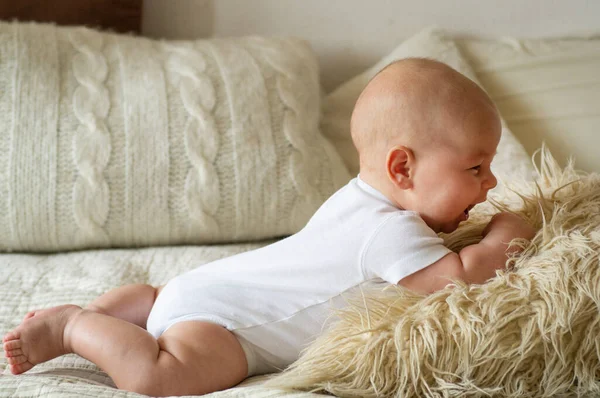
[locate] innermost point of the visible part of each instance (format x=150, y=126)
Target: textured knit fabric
x=278, y=298
x=112, y=140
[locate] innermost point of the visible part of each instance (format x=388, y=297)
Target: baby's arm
x=475, y=263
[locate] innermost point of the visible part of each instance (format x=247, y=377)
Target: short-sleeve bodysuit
x=278, y=298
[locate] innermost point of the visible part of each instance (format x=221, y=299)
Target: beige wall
x=350, y=35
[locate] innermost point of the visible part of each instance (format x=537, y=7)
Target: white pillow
x=113, y=140
x=511, y=160
x=547, y=89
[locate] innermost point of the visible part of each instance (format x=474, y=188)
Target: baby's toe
x=10, y=345
x=10, y=336
x=16, y=360
x=13, y=353
x=20, y=368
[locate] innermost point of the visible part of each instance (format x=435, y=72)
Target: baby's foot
x=31, y=314
x=39, y=338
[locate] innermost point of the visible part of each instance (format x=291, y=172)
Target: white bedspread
x=39, y=281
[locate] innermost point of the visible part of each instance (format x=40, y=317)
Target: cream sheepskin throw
x=532, y=331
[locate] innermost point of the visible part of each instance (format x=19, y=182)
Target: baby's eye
x=476, y=169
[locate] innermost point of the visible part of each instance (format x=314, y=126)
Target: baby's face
x=450, y=180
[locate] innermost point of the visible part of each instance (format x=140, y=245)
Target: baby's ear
x=398, y=166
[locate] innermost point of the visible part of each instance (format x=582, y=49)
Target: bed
x=75, y=246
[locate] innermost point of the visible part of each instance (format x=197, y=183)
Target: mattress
x=39, y=281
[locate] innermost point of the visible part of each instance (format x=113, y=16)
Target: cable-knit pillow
x=114, y=140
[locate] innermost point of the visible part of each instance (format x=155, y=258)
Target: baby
x=426, y=137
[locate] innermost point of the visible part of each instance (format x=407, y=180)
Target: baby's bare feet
x=39, y=338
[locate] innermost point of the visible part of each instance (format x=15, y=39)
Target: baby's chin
x=444, y=226
x=448, y=230
x=449, y=227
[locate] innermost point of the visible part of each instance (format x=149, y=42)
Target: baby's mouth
x=466, y=212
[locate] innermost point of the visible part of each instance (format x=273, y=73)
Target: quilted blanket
x=39, y=281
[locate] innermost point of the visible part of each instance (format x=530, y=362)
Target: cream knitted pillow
x=113, y=140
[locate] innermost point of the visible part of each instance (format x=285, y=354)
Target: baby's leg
x=131, y=303
x=191, y=358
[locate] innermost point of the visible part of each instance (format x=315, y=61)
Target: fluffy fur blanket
x=532, y=331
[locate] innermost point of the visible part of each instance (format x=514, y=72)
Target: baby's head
x=426, y=136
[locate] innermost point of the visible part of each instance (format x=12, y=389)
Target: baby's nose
x=490, y=182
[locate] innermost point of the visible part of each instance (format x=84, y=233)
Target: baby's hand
x=481, y=260
x=508, y=226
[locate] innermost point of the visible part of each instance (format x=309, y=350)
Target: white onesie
x=277, y=299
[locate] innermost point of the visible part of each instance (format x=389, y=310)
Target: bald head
x=413, y=102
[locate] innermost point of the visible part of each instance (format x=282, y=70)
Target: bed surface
x=39, y=281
